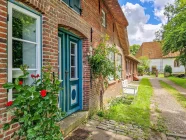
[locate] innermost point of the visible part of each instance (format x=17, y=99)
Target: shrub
x=35, y=107
x=168, y=69
x=140, y=70
x=145, y=62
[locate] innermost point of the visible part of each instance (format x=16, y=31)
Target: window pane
x=73, y=72
x=26, y=81
x=23, y=53
x=73, y=61
x=66, y=1
x=72, y=48
x=24, y=26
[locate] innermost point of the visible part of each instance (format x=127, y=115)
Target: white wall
x=158, y=63
x=170, y=61
x=161, y=63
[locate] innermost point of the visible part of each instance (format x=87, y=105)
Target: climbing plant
x=102, y=67
x=35, y=107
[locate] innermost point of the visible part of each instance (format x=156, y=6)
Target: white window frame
x=119, y=64
x=103, y=18
x=76, y=66
x=112, y=59
x=12, y=6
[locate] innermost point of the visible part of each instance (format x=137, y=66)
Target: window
x=176, y=63
x=75, y=4
x=23, y=43
x=103, y=18
x=126, y=66
x=112, y=59
x=73, y=60
x=119, y=66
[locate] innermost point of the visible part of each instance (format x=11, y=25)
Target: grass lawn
x=179, y=97
x=137, y=112
x=179, y=81
x=161, y=75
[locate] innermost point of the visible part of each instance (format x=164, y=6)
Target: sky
x=145, y=17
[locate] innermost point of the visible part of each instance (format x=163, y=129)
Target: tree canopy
x=173, y=34
x=134, y=49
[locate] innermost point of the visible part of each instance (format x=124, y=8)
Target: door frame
x=61, y=33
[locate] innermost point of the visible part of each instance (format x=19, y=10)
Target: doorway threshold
x=71, y=122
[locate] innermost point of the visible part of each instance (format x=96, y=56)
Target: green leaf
x=37, y=127
x=32, y=89
x=8, y=85
x=6, y=126
x=17, y=81
x=33, y=102
x=31, y=133
x=18, y=87
x=36, y=117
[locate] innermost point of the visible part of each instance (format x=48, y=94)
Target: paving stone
x=176, y=135
x=121, y=133
x=102, y=127
x=113, y=122
x=163, y=136
x=111, y=130
x=171, y=138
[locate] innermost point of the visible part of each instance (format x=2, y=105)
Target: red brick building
x=62, y=33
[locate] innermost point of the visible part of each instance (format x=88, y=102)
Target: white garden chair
x=128, y=88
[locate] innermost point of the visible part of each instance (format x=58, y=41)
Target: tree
x=134, y=49
x=174, y=33
x=158, y=35
x=182, y=2
x=145, y=63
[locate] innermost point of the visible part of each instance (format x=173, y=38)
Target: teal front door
x=70, y=72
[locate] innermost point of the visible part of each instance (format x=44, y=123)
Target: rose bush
x=35, y=108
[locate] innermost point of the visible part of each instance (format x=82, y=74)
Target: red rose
x=32, y=75
x=37, y=75
x=20, y=82
x=43, y=93
x=9, y=103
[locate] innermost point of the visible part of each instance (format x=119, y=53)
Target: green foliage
x=179, y=81
x=179, y=97
x=135, y=111
x=160, y=126
x=173, y=34
x=122, y=100
x=35, y=112
x=140, y=70
x=168, y=69
x=145, y=63
x=134, y=49
x=100, y=63
x=182, y=3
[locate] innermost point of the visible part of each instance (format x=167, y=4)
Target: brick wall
x=3, y=66
x=92, y=14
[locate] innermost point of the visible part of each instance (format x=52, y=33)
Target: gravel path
x=172, y=111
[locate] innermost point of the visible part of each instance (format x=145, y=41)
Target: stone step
x=73, y=121
x=176, y=135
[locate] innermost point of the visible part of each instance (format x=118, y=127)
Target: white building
x=153, y=51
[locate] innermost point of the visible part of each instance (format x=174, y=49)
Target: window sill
x=74, y=79
x=111, y=82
